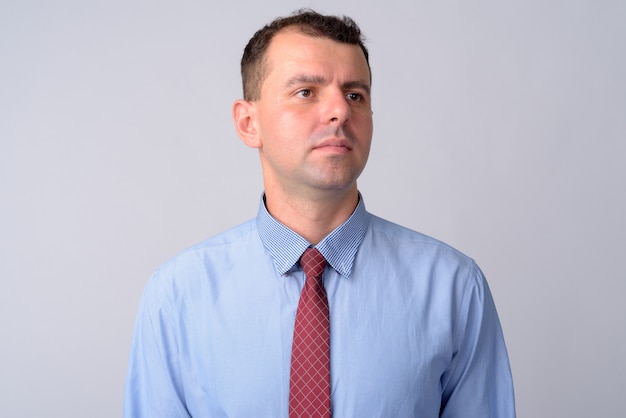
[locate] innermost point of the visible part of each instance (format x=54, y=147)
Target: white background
x=500, y=127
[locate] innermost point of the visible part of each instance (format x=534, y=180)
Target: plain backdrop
x=500, y=128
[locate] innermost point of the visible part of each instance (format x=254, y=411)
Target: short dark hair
x=308, y=22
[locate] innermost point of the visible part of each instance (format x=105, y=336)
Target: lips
x=334, y=143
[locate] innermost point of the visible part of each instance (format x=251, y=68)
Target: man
x=413, y=327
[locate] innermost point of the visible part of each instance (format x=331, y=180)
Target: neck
x=312, y=218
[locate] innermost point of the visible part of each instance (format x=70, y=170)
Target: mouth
x=341, y=145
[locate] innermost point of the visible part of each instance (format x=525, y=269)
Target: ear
x=244, y=114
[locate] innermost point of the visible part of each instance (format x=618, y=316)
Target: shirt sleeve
x=153, y=383
x=478, y=382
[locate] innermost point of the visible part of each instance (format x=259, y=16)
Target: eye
x=305, y=93
x=354, y=97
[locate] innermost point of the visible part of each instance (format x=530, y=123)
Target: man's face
x=314, y=117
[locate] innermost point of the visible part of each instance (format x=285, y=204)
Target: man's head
x=310, y=116
x=309, y=23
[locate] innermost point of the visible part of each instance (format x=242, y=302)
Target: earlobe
x=244, y=114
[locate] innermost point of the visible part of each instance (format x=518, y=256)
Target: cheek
x=283, y=134
x=363, y=124
x=294, y=127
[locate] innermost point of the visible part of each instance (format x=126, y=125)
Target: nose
x=337, y=109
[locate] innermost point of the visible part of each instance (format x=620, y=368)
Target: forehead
x=291, y=50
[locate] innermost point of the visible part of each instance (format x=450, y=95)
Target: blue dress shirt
x=414, y=330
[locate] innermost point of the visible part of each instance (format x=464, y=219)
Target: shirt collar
x=339, y=247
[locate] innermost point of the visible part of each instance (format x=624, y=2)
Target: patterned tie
x=309, y=388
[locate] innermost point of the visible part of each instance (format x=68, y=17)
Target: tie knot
x=313, y=262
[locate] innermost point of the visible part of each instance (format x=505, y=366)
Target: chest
x=389, y=348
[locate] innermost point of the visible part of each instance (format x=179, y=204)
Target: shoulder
x=414, y=254
x=209, y=257
x=231, y=237
x=407, y=240
x=230, y=240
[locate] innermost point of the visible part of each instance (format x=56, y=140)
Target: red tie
x=309, y=387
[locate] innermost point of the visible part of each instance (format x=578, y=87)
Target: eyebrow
x=305, y=79
x=357, y=84
x=319, y=80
